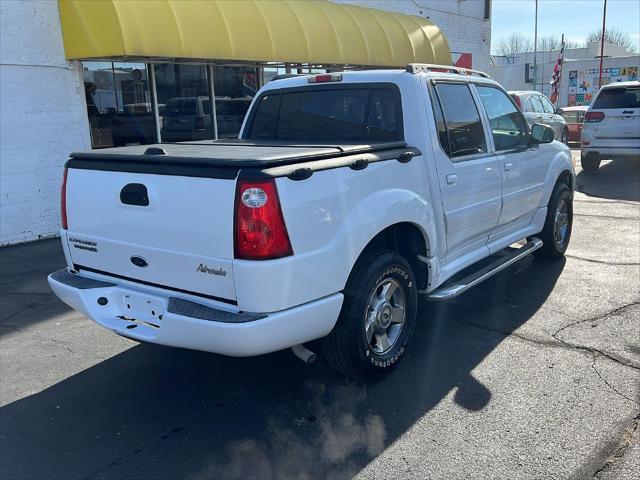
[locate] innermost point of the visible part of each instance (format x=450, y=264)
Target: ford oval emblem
x=139, y=261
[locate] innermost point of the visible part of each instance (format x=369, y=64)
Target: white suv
x=611, y=128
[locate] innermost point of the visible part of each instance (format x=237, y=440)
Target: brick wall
x=42, y=118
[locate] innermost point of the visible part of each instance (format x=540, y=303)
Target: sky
x=574, y=18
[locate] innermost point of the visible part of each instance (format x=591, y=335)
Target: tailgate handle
x=134, y=194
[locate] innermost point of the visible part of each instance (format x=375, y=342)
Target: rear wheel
x=558, y=224
x=590, y=162
x=377, y=319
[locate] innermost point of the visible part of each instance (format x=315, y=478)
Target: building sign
x=464, y=60
x=583, y=84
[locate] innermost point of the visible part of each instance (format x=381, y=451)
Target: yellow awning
x=302, y=31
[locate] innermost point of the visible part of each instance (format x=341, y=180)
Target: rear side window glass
x=547, y=105
x=623, y=97
x=536, y=104
x=441, y=126
x=462, y=120
x=333, y=115
x=508, y=126
x=265, y=119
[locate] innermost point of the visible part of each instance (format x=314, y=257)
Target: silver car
x=539, y=109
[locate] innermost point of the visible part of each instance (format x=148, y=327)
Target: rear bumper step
x=459, y=287
x=160, y=317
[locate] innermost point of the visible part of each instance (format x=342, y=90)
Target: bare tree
x=512, y=45
x=553, y=42
x=614, y=36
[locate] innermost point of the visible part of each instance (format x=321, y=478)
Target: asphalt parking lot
x=533, y=374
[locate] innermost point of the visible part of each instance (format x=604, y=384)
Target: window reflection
x=235, y=88
x=183, y=92
x=118, y=104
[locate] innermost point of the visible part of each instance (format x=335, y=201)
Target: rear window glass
x=344, y=114
x=622, y=97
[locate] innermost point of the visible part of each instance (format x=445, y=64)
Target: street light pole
x=535, y=51
x=604, y=18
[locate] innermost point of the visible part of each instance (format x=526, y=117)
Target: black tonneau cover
x=225, y=158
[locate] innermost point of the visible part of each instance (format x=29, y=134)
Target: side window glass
x=546, y=104
x=537, y=104
x=462, y=120
x=508, y=126
x=439, y=118
x=528, y=105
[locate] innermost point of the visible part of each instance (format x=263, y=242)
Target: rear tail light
x=260, y=231
x=517, y=100
x=63, y=201
x=326, y=77
x=594, y=116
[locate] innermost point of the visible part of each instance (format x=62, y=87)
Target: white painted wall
x=461, y=21
x=42, y=118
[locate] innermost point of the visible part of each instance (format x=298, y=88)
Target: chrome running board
x=450, y=291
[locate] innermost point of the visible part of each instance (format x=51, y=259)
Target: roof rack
x=428, y=67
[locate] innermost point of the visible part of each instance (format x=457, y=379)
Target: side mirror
x=559, y=111
x=541, y=134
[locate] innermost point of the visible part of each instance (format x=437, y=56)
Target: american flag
x=555, y=78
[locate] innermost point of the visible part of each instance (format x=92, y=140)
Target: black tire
x=565, y=137
x=590, y=162
x=346, y=348
x=551, y=248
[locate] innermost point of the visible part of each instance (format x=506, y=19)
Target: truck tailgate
x=171, y=231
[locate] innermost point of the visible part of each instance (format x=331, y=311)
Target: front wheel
x=558, y=224
x=377, y=319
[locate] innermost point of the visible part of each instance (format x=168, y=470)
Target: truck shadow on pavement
x=617, y=180
x=154, y=412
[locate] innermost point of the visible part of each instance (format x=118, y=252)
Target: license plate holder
x=143, y=308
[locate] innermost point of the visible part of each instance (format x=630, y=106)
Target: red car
x=574, y=117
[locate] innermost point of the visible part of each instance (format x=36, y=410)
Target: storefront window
x=184, y=102
x=235, y=87
x=118, y=104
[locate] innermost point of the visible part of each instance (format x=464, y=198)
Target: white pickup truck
x=346, y=197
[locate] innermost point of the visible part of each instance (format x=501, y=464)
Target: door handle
x=508, y=165
x=451, y=179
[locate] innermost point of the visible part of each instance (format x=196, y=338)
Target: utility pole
x=604, y=18
x=535, y=51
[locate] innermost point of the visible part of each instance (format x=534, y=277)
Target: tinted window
x=441, y=126
x=508, y=126
x=344, y=114
x=623, y=97
x=464, y=128
x=265, y=119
